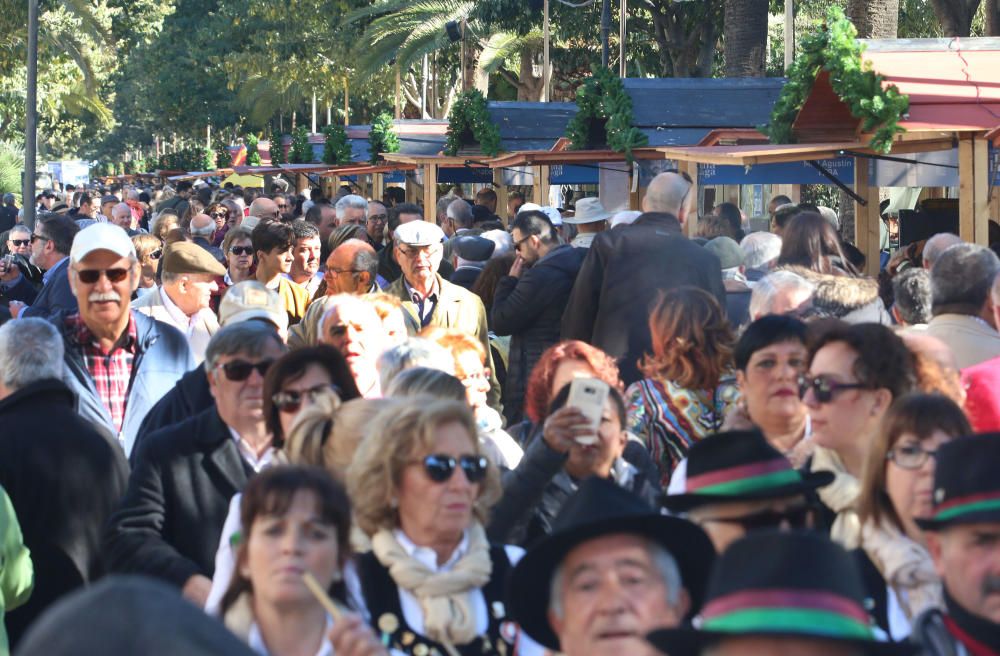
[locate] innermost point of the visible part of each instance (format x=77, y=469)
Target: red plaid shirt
x=112, y=371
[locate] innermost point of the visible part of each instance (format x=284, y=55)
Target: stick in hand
x=321, y=596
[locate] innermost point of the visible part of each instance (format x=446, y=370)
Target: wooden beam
x=866, y=217
x=981, y=198
x=378, y=186
x=430, y=191
x=966, y=191
x=543, y=183
x=536, y=186
x=693, y=198
x=501, y=189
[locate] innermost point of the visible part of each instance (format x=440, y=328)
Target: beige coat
x=971, y=339
x=152, y=306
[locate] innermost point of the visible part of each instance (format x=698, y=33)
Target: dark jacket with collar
x=64, y=480
x=624, y=272
x=187, y=398
x=530, y=309
x=55, y=296
x=162, y=357
x=170, y=519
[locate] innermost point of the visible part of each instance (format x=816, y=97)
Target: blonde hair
x=383, y=303
x=457, y=343
x=398, y=435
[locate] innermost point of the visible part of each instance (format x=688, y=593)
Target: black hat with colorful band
x=784, y=585
x=740, y=466
x=966, y=485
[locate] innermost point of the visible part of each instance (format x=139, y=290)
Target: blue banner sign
x=784, y=173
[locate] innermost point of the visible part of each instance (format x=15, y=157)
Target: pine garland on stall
x=337, y=150
x=602, y=99
x=469, y=115
x=382, y=137
x=301, y=151
x=253, y=155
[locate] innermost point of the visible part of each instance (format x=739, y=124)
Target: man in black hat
x=612, y=571
x=963, y=536
x=470, y=254
x=781, y=594
x=737, y=483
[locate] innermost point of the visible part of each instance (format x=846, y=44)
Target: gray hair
x=767, y=289
x=351, y=201
x=912, y=291
x=759, y=248
x=365, y=260
x=245, y=337
x=460, y=212
x=962, y=278
x=936, y=245
x=31, y=349
x=830, y=216
x=662, y=559
x=19, y=227
x=414, y=352
x=424, y=381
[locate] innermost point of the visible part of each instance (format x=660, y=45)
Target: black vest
x=387, y=620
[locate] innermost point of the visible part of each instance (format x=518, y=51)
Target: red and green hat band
x=973, y=503
x=744, y=479
x=788, y=611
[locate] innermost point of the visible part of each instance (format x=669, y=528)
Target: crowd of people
x=279, y=424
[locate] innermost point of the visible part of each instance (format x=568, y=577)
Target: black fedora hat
x=782, y=584
x=966, y=486
x=740, y=466
x=599, y=508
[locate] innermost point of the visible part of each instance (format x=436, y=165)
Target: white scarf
x=840, y=496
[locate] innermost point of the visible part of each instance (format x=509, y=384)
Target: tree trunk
x=956, y=15
x=687, y=35
x=874, y=19
x=745, y=36
x=992, y=17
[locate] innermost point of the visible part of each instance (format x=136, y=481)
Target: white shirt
x=256, y=641
x=183, y=322
x=583, y=240
x=258, y=464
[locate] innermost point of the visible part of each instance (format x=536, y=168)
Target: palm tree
x=745, y=37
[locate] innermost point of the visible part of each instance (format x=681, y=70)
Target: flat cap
x=188, y=257
x=727, y=250
x=419, y=233
x=250, y=299
x=473, y=248
x=109, y=198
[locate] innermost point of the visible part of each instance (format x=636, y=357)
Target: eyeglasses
x=219, y=215
x=36, y=237
x=517, y=244
x=155, y=255
x=241, y=250
x=378, y=218
x=825, y=389
x=795, y=518
x=291, y=401
x=440, y=467
x=340, y=271
x=413, y=252
x=910, y=456
x=282, y=206
x=90, y=276
x=20, y=242
x=240, y=370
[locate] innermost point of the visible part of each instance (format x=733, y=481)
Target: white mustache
x=99, y=297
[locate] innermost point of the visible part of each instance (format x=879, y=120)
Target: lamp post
x=546, y=35
x=789, y=34
x=30, y=119
x=605, y=32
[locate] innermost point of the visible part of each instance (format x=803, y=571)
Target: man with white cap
x=590, y=219
x=430, y=300
x=119, y=363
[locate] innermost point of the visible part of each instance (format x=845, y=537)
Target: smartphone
x=6, y=263
x=589, y=396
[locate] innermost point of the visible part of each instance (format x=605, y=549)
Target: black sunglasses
x=241, y=250
x=440, y=467
x=825, y=389
x=36, y=237
x=291, y=401
x=90, y=276
x=20, y=242
x=219, y=215
x=240, y=370
x=155, y=255
x=795, y=518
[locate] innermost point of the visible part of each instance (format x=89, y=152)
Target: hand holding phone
x=589, y=396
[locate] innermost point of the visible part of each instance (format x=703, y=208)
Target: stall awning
x=778, y=153
x=554, y=157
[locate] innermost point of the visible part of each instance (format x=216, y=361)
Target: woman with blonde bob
x=421, y=485
x=896, y=489
x=689, y=385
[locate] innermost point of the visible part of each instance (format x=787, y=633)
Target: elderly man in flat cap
x=189, y=279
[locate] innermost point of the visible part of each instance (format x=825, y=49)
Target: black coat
x=55, y=296
x=170, y=520
x=623, y=274
x=188, y=397
x=530, y=309
x=64, y=480
x=465, y=277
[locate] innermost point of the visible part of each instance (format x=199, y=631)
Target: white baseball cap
x=555, y=218
x=101, y=237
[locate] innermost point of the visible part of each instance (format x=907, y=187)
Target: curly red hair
x=538, y=395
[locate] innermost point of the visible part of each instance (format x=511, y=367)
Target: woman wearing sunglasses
x=895, y=491
x=219, y=214
x=238, y=249
x=148, y=249
x=297, y=521
x=432, y=581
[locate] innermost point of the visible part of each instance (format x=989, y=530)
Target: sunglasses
x=291, y=401
x=240, y=370
x=440, y=467
x=795, y=518
x=219, y=215
x=90, y=276
x=20, y=242
x=241, y=250
x=825, y=389
x=155, y=255
x=35, y=238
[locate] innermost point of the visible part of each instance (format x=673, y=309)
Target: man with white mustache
x=119, y=362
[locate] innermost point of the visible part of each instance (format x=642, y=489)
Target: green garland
x=469, y=114
x=337, y=149
x=253, y=155
x=382, y=137
x=301, y=151
x=197, y=158
x=277, y=150
x=835, y=48
x=603, y=96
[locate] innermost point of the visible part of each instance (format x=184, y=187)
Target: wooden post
x=542, y=185
x=536, y=186
x=501, y=189
x=430, y=191
x=378, y=186
x=693, y=199
x=980, y=156
x=866, y=218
